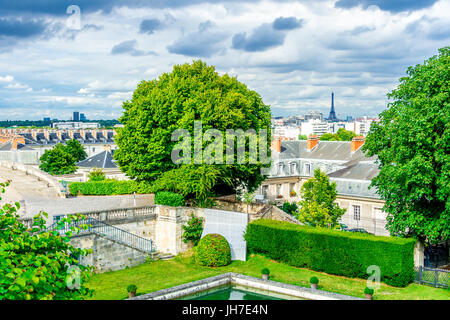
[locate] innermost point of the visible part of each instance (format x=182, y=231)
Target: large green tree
x=76, y=149
x=412, y=142
x=191, y=92
x=58, y=161
x=39, y=264
x=318, y=207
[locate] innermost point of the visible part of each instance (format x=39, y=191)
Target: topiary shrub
x=213, y=250
x=168, y=198
x=368, y=290
x=314, y=280
x=265, y=271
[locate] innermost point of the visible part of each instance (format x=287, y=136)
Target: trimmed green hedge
x=108, y=187
x=168, y=198
x=334, y=252
x=213, y=250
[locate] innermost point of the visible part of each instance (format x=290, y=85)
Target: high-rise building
x=76, y=116
x=332, y=116
x=82, y=117
x=47, y=120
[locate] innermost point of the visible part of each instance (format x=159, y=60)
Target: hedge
x=168, y=198
x=108, y=187
x=334, y=252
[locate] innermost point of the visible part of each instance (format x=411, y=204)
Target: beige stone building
x=294, y=162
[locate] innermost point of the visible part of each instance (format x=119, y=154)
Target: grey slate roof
x=357, y=171
x=8, y=146
x=103, y=160
x=324, y=150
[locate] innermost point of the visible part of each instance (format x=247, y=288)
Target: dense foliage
x=290, y=208
x=192, y=231
x=340, y=135
x=57, y=161
x=35, y=263
x=412, y=142
x=76, y=149
x=191, y=92
x=334, y=252
x=213, y=250
x=168, y=198
x=109, y=187
x=96, y=174
x=318, y=207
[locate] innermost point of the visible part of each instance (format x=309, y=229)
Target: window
x=278, y=189
x=280, y=168
x=264, y=190
x=292, y=167
x=307, y=169
x=357, y=213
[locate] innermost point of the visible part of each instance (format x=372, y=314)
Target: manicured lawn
x=159, y=275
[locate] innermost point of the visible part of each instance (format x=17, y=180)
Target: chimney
x=70, y=134
x=107, y=147
x=47, y=134
x=94, y=133
x=59, y=134
x=34, y=134
x=16, y=140
x=312, y=141
x=276, y=145
x=83, y=134
x=356, y=143
x=105, y=133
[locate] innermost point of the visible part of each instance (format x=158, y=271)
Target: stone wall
x=107, y=255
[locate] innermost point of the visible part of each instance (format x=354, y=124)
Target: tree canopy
x=76, y=149
x=412, y=142
x=58, y=160
x=191, y=92
x=317, y=207
x=340, y=135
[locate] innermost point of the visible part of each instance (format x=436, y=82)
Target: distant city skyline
x=293, y=53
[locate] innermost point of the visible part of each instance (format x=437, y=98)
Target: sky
x=60, y=56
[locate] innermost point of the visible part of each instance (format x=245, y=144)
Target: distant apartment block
x=76, y=125
x=76, y=116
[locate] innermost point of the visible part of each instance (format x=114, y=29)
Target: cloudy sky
x=294, y=53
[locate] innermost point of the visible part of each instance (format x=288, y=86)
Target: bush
x=96, y=174
x=314, y=280
x=108, y=187
x=368, y=290
x=333, y=252
x=168, y=198
x=132, y=288
x=265, y=271
x=193, y=230
x=213, y=250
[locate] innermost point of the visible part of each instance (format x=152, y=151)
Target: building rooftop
x=103, y=160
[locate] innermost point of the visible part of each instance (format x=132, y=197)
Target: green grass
x=159, y=275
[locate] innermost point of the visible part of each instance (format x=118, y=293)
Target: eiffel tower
x=332, y=116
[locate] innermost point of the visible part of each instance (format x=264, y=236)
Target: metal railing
x=110, y=232
x=438, y=278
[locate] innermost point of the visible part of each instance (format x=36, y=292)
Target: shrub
x=314, y=280
x=96, y=174
x=168, y=198
x=193, y=230
x=213, y=250
x=368, y=290
x=333, y=252
x=132, y=288
x=108, y=187
x=265, y=271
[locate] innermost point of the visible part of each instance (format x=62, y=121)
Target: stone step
x=165, y=256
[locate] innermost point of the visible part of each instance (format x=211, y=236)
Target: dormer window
x=280, y=168
x=293, y=168
x=307, y=169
